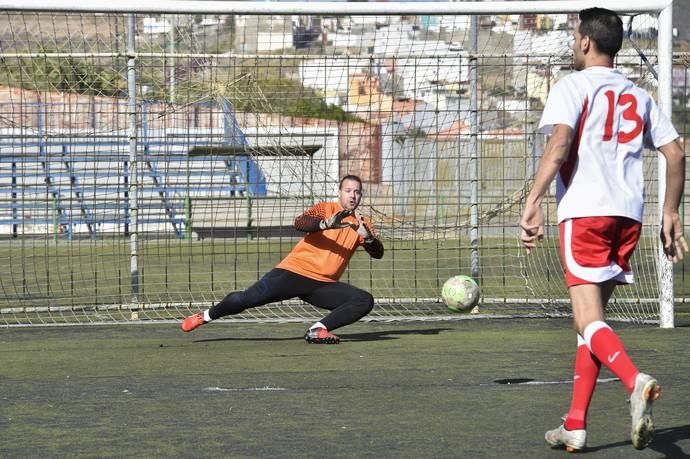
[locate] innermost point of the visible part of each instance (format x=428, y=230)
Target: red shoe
x=320, y=336
x=193, y=321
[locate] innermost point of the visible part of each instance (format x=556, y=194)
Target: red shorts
x=598, y=249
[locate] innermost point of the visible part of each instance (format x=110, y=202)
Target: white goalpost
x=153, y=156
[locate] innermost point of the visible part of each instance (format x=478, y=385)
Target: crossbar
x=320, y=8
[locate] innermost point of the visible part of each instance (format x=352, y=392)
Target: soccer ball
x=460, y=293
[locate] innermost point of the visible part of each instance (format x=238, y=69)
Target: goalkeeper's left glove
x=362, y=228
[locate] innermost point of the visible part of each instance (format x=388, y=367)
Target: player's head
x=350, y=192
x=600, y=32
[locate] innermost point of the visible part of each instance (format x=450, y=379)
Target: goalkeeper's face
x=350, y=194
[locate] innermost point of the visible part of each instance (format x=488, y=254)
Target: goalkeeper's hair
x=604, y=27
x=350, y=177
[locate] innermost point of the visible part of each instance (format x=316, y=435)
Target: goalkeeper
x=311, y=270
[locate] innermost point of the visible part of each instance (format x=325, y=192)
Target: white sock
x=207, y=318
x=317, y=325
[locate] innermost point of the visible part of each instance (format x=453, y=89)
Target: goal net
x=153, y=160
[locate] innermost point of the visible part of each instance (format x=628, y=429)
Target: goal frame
x=664, y=42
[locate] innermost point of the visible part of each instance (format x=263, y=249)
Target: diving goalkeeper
x=311, y=271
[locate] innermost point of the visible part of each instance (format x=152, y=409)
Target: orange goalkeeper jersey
x=324, y=255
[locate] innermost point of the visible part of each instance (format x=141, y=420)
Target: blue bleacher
x=79, y=183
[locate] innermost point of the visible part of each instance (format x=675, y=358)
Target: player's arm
x=671, y=234
x=555, y=154
x=374, y=248
x=314, y=219
x=372, y=244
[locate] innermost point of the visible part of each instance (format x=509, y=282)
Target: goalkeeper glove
x=336, y=221
x=362, y=228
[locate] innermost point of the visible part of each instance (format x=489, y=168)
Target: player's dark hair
x=350, y=177
x=604, y=27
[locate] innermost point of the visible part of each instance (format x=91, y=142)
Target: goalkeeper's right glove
x=336, y=221
x=362, y=228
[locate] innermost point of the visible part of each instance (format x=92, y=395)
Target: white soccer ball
x=460, y=293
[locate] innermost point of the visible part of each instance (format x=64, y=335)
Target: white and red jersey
x=613, y=122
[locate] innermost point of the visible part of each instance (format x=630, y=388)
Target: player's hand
x=336, y=221
x=361, y=227
x=532, y=227
x=672, y=238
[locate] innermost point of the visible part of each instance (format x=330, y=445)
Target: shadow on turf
x=354, y=337
x=391, y=334
x=664, y=442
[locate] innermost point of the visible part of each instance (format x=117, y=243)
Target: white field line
x=538, y=383
x=243, y=389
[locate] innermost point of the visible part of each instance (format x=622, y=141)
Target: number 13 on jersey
x=628, y=101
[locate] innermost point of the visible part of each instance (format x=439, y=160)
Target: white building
x=155, y=26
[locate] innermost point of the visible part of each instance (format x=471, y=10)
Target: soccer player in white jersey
x=599, y=124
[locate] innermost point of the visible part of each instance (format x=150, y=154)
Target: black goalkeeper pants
x=347, y=303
